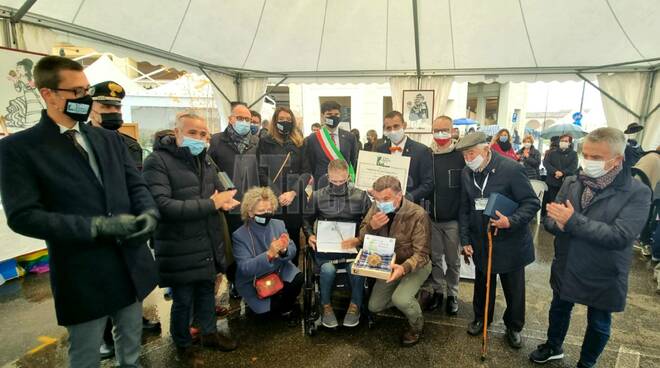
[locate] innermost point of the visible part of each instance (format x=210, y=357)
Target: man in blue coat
x=487, y=172
x=76, y=187
x=595, y=219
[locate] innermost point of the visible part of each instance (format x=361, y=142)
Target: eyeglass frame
x=77, y=91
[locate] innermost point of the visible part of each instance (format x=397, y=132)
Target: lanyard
x=483, y=187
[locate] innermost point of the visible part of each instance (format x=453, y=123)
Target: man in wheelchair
x=338, y=201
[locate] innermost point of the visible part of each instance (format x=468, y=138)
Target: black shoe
x=544, y=353
x=107, y=351
x=436, y=301
x=475, y=328
x=452, y=305
x=424, y=299
x=514, y=338
x=151, y=326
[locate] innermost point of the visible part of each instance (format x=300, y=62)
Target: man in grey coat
x=595, y=218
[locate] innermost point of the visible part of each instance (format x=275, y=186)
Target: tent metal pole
x=416, y=29
x=16, y=17
x=619, y=64
x=265, y=93
x=214, y=84
x=647, y=104
x=584, y=86
x=619, y=103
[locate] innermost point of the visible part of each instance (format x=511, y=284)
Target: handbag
x=266, y=285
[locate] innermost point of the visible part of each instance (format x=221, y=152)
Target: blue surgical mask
x=195, y=146
x=386, y=207
x=504, y=138
x=242, y=127
x=254, y=129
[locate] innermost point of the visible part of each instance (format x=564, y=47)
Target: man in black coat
x=235, y=152
x=487, y=172
x=559, y=164
x=319, y=148
x=188, y=243
x=76, y=187
x=595, y=219
x=420, y=173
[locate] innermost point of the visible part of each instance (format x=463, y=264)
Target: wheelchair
x=312, y=308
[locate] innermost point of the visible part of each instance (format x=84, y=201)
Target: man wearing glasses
x=76, y=187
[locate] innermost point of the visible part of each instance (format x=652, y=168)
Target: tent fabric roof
x=376, y=35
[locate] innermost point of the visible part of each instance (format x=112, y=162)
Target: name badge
x=480, y=204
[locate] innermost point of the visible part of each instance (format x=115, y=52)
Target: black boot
x=452, y=305
x=514, y=338
x=475, y=328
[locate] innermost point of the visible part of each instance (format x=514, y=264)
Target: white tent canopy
x=288, y=36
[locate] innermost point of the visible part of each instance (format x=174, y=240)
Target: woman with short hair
x=530, y=157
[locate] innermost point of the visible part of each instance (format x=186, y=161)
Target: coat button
x=109, y=214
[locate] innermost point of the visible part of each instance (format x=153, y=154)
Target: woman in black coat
x=282, y=168
x=559, y=164
x=530, y=157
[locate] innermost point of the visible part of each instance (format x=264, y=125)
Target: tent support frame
x=215, y=85
x=266, y=93
x=416, y=29
x=602, y=91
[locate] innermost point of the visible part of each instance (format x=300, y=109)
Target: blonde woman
x=530, y=157
x=262, y=246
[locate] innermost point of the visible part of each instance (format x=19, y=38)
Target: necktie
x=71, y=134
x=395, y=149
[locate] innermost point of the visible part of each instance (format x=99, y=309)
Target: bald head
x=240, y=112
x=191, y=125
x=443, y=123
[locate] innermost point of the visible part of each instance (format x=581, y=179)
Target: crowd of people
x=73, y=181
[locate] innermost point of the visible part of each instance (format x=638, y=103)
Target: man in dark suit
x=420, y=174
x=328, y=144
x=76, y=187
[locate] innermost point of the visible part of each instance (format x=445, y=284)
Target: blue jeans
x=198, y=297
x=85, y=338
x=328, y=272
x=595, y=338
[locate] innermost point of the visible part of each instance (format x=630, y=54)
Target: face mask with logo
x=284, y=127
x=195, y=146
x=78, y=109
x=527, y=145
x=564, y=145
x=475, y=163
x=594, y=168
x=111, y=120
x=242, y=127
x=396, y=136
x=386, y=207
x=332, y=121
x=263, y=219
x=441, y=138
x=254, y=129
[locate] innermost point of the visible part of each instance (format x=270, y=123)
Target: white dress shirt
x=401, y=144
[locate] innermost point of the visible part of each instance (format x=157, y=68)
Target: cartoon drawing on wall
x=418, y=110
x=24, y=110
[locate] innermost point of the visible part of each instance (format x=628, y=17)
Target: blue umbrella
x=561, y=129
x=490, y=130
x=465, y=121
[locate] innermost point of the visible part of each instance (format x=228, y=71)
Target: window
x=483, y=102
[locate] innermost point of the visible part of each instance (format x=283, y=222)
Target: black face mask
x=338, y=190
x=284, y=127
x=332, y=121
x=78, y=109
x=111, y=120
x=263, y=219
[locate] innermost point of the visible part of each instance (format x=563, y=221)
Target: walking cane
x=484, y=345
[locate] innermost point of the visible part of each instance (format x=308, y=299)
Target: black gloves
x=119, y=226
x=146, y=223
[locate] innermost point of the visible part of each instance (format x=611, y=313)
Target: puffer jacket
x=188, y=241
x=325, y=204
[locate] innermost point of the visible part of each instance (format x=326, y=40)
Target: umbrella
x=560, y=129
x=490, y=130
x=465, y=121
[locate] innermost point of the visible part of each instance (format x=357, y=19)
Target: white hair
x=614, y=138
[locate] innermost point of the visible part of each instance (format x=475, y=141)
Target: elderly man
x=487, y=172
x=420, y=173
x=75, y=187
x=235, y=152
x=445, y=202
x=595, y=218
x=394, y=216
x=189, y=243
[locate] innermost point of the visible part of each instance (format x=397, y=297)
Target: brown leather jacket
x=411, y=228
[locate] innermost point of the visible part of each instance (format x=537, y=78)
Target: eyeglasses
x=243, y=119
x=77, y=91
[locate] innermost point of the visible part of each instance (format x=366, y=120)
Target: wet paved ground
x=30, y=337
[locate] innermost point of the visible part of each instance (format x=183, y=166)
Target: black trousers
x=549, y=197
x=513, y=284
x=286, y=299
x=293, y=224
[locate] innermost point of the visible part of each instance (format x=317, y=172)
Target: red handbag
x=269, y=284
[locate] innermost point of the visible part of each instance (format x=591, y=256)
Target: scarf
x=593, y=186
x=241, y=142
x=505, y=146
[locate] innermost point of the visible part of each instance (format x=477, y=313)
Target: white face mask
x=441, y=135
x=475, y=163
x=593, y=168
x=395, y=136
x=527, y=145
x=564, y=145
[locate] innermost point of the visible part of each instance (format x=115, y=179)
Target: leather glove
x=119, y=226
x=146, y=225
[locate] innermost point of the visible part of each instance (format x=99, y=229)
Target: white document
x=373, y=165
x=330, y=234
x=379, y=244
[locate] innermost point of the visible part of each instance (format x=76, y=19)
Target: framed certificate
x=373, y=165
